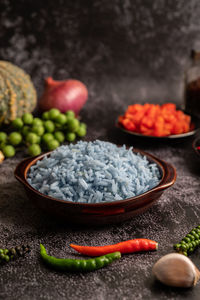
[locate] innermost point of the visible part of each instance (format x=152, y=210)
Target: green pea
x=39, y=130
x=13, y=251
x=15, y=138
x=70, y=136
x=58, y=126
x=185, y=253
x=34, y=150
x=8, y=151
x=186, y=239
x=196, y=236
x=17, y=123
x=45, y=115
x=27, y=118
x=3, y=136
x=187, y=246
x=190, y=244
x=37, y=122
x=81, y=131
x=61, y=119
x=183, y=247
x=190, y=236
x=47, y=137
x=53, y=113
x=193, y=232
x=59, y=136
x=49, y=126
x=32, y=138
x=182, y=242
x=194, y=244
x=83, y=125
x=1, y=251
x=52, y=145
x=2, y=144
x=73, y=125
x=7, y=258
x=70, y=113
x=190, y=250
x=25, y=130
x=39, y=139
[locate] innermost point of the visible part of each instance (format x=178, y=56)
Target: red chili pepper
x=129, y=246
x=198, y=148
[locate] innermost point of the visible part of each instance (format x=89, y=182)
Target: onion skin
x=64, y=95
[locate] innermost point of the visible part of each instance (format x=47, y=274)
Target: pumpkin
x=17, y=92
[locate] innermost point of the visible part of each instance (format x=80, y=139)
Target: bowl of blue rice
x=95, y=183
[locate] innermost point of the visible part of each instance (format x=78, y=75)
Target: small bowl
x=98, y=213
x=194, y=121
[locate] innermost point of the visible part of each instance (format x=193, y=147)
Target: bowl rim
x=172, y=136
x=166, y=180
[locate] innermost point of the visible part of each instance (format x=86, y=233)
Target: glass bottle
x=192, y=85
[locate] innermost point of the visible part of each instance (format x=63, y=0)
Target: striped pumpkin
x=17, y=93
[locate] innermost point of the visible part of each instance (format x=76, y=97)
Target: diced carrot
x=135, y=108
x=120, y=119
x=147, y=121
x=169, y=107
x=129, y=125
x=156, y=120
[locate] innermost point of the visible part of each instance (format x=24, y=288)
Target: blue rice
x=93, y=172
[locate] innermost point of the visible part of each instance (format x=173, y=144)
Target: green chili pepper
x=78, y=265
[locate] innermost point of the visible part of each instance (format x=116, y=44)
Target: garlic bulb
x=176, y=270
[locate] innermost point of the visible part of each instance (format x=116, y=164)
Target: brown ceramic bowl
x=98, y=213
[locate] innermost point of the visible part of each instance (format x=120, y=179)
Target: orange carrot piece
x=155, y=119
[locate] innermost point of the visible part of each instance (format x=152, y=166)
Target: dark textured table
x=125, y=52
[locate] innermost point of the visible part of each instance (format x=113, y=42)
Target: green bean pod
x=78, y=265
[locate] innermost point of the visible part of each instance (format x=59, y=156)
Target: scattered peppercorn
x=188, y=244
x=7, y=255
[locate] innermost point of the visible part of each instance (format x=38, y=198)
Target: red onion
x=65, y=95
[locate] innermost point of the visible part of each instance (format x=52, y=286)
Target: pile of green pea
x=46, y=133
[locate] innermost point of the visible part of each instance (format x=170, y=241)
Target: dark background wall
x=125, y=51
